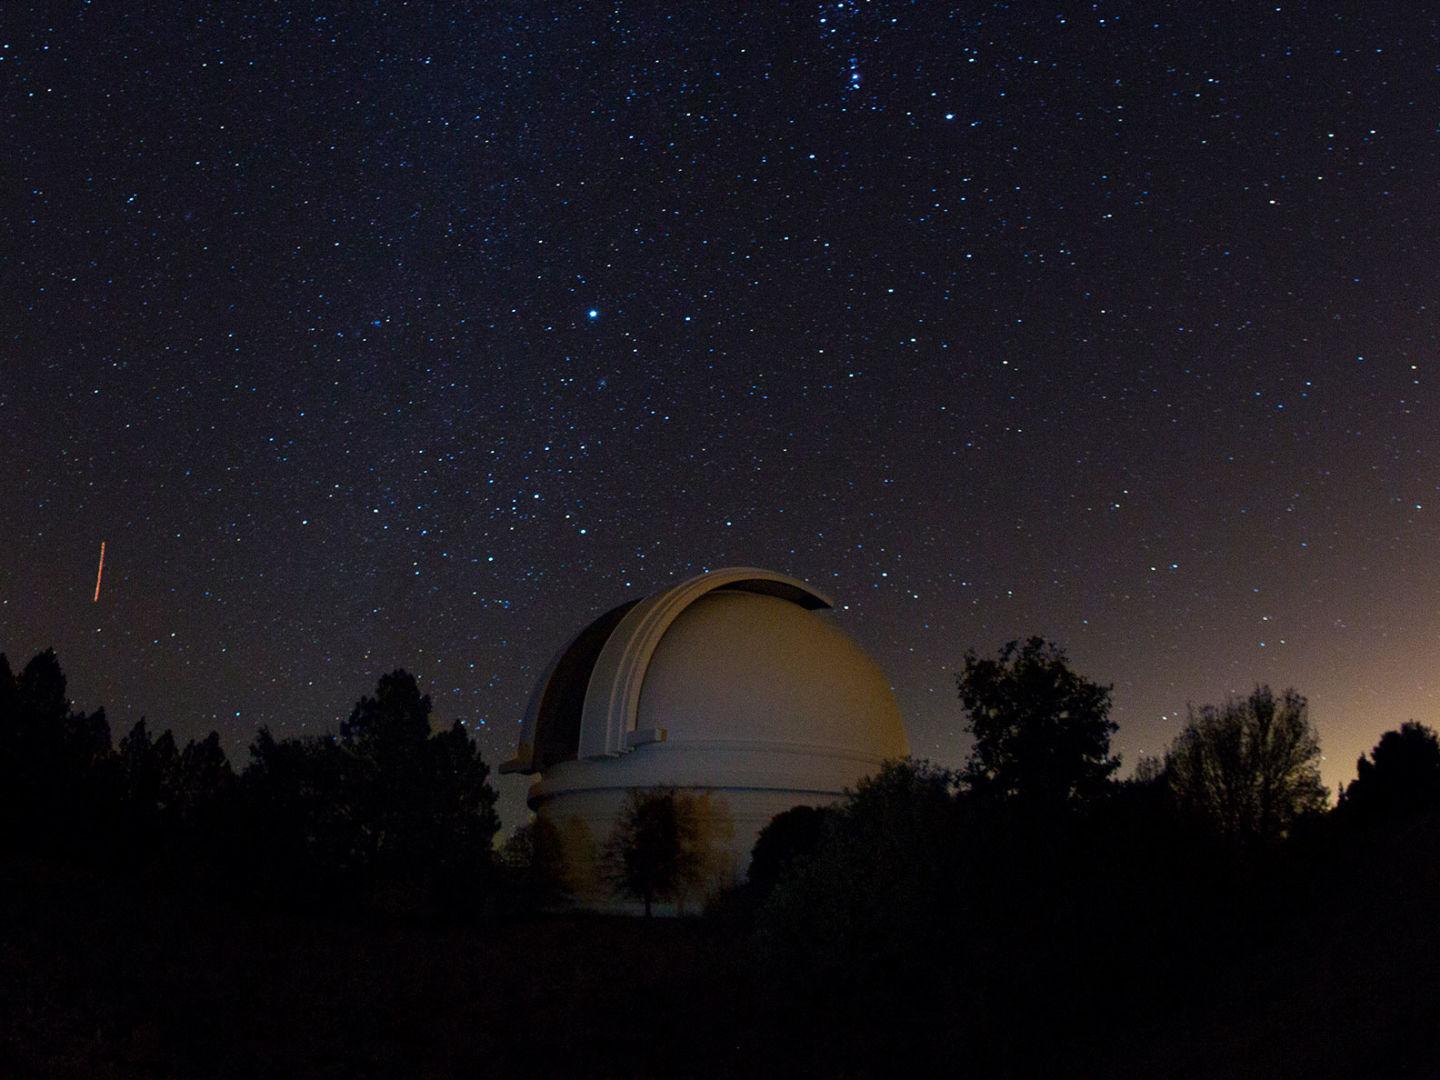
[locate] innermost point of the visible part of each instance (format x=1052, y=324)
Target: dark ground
x=104, y=979
x=1350, y=989
x=100, y=980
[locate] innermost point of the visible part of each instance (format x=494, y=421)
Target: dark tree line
x=387, y=812
x=1027, y=913
x=1399, y=780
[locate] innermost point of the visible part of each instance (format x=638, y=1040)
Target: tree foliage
x=655, y=852
x=876, y=911
x=386, y=804
x=783, y=845
x=1250, y=768
x=1042, y=732
x=420, y=800
x=301, y=840
x=1400, y=778
x=533, y=856
x=49, y=757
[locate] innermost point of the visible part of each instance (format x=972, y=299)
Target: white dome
x=729, y=684
x=737, y=667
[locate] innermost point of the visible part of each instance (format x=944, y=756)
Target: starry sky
x=391, y=334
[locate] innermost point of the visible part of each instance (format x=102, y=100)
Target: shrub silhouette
x=1400, y=779
x=1248, y=769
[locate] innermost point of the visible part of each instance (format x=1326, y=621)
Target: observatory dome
x=732, y=684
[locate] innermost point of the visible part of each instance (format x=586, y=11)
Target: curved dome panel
x=746, y=670
x=551, y=730
x=613, y=699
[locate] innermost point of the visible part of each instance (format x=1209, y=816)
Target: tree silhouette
x=789, y=839
x=203, y=779
x=49, y=757
x=459, y=819
x=393, y=722
x=421, y=801
x=385, y=806
x=654, y=851
x=40, y=691
x=870, y=923
x=1400, y=779
x=385, y=759
x=298, y=822
x=1248, y=769
x=1042, y=732
x=147, y=770
x=7, y=689
x=533, y=858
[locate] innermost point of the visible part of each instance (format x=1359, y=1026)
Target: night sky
x=417, y=335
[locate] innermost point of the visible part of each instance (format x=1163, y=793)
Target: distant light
x=593, y=313
x=949, y=116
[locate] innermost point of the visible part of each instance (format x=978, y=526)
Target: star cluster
x=387, y=336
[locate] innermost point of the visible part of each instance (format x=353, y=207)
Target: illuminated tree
x=1248, y=769
x=656, y=849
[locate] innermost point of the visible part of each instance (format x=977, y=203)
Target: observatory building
x=733, y=686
